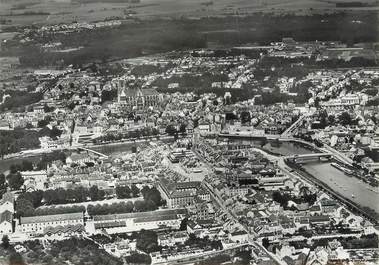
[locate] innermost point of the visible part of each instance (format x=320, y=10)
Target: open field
x=146, y=37
x=24, y=12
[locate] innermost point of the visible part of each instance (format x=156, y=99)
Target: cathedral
x=137, y=97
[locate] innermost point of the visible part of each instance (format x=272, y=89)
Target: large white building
x=182, y=194
x=129, y=222
x=38, y=224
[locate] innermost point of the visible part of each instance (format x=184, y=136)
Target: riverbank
x=106, y=148
x=366, y=211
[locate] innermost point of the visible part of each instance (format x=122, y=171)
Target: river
x=345, y=185
x=364, y=194
x=334, y=178
x=108, y=149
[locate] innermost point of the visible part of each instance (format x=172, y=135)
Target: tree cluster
x=15, y=180
x=47, y=159
x=53, y=133
x=147, y=241
x=145, y=132
x=283, y=198
x=203, y=243
x=25, y=165
x=14, y=141
x=19, y=99
x=121, y=207
x=77, y=251
x=138, y=258
x=108, y=95
x=27, y=202
x=152, y=196
x=3, y=184
x=125, y=192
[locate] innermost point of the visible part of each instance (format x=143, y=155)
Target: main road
x=232, y=216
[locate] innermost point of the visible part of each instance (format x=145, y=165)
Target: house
x=204, y=127
x=7, y=203
x=203, y=227
x=202, y=209
x=171, y=239
x=6, y=222
x=239, y=236
x=35, y=180
x=314, y=220
x=76, y=158
x=38, y=224
x=328, y=206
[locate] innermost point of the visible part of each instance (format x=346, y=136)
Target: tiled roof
x=136, y=92
x=156, y=218
x=6, y=216
x=51, y=218
x=64, y=229
x=7, y=197
x=111, y=224
x=139, y=215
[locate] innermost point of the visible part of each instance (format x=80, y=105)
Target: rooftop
x=51, y=218
x=140, y=215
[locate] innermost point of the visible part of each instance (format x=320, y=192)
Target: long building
x=35, y=225
x=128, y=222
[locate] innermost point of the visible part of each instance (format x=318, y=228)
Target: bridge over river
x=309, y=157
x=349, y=189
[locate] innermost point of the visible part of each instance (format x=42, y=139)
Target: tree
x=183, y=224
x=35, y=197
x=265, y=243
x=24, y=208
x=182, y=128
x=16, y=259
x=171, y=130
x=95, y=194
x=47, y=109
x=3, y=184
x=140, y=206
x=123, y=192
x=55, y=133
x=26, y=165
x=135, y=190
x=345, y=118
x=5, y=242
x=245, y=117
x=331, y=119
x=137, y=258
x=15, y=181
x=147, y=241
x=152, y=195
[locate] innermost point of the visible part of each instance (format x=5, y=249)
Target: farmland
x=25, y=12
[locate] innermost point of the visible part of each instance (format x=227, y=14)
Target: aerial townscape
x=189, y=132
